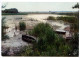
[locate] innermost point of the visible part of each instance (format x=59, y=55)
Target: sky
x=41, y=6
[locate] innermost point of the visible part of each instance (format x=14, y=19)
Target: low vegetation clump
x=67, y=19
x=51, y=18
x=22, y=26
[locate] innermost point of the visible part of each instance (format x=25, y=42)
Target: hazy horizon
x=41, y=6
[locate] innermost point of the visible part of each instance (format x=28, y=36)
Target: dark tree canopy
x=12, y=10
x=76, y=6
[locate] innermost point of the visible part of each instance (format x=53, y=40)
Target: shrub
x=51, y=18
x=40, y=29
x=22, y=26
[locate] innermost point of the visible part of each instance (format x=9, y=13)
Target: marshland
x=40, y=34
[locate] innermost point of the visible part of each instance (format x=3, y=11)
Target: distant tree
x=76, y=24
x=22, y=26
x=76, y=6
x=4, y=5
x=12, y=10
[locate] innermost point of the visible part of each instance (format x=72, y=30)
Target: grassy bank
x=14, y=13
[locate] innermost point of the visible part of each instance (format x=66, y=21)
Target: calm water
x=12, y=20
